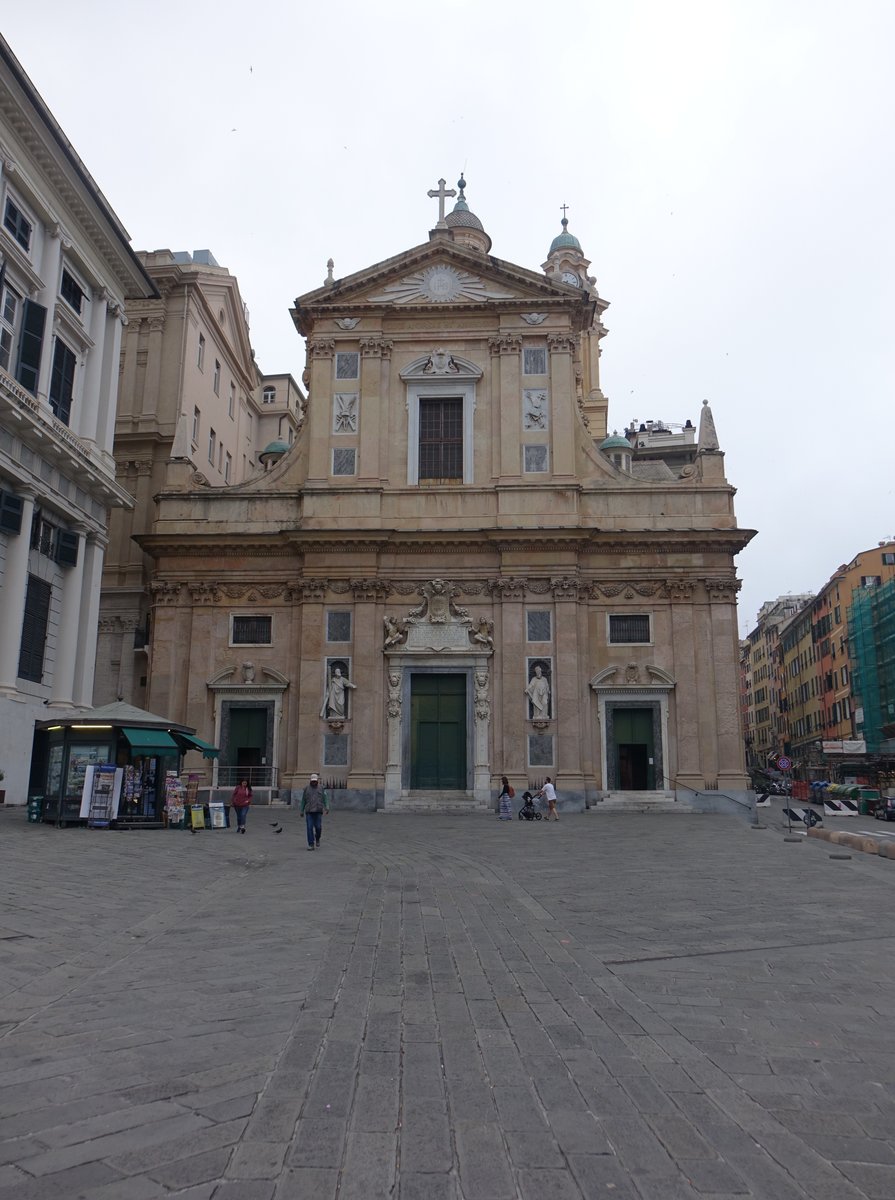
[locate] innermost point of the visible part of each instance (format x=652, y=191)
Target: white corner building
x=66, y=271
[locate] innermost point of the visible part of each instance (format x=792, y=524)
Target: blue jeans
x=242, y=811
x=315, y=826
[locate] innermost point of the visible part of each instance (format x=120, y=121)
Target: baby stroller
x=529, y=810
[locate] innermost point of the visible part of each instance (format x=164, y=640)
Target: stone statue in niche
x=345, y=415
x=440, y=363
x=482, y=633
x=395, y=632
x=538, y=692
x=534, y=414
x=335, y=701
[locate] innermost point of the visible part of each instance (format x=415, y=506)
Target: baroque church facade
x=456, y=572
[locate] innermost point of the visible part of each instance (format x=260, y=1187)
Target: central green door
x=438, y=732
x=633, y=729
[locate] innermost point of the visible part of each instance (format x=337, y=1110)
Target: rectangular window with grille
x=539, y=625
x=347, y=364
x=534, y=360
x=344, y=461
x=629, y=629
x=251, y=631
x=535, y=459
x=338, y=626
x=34, y=629
x=441, y=439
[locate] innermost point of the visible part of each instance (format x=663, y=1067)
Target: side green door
x=438, y=732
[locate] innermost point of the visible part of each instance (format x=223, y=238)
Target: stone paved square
x=445, y=1008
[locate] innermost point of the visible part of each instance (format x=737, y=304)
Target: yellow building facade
x=456, y=572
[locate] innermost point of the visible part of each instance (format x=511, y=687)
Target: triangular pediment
x=436, y=274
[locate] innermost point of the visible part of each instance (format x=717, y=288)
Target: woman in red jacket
x=241, y=799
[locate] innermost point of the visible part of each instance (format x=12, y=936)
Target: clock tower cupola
x=565, y=259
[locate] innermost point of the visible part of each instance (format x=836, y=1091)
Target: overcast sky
x=728, y=167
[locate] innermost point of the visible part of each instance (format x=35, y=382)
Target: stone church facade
x=454, y=573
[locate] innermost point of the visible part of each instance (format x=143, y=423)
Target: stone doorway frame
x=400, y=665
x=633, y=686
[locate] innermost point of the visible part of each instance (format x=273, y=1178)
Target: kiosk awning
x=151, y=741
x=208, y=751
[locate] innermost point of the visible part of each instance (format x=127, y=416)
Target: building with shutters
x=458, y=570
x=66, y=271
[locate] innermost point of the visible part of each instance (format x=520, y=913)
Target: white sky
x=728, y=166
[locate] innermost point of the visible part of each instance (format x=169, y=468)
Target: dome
x=615, y=442
x=460, y=216
x=272, y=451
x=565, y=240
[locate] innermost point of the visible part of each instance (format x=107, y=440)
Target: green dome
x=565, y=240
x=274, y=448
x=616, y=442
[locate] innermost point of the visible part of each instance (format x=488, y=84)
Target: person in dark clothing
x=314, y=803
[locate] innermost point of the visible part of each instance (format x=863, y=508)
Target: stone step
x=436, y=802
x=640, y=802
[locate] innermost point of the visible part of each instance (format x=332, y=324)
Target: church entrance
x=634, y=744
x=438, y=732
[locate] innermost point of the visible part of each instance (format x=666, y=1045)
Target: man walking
x=314, y=803
x=548, y=792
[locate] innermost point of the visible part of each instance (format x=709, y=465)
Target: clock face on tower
x=571, y=278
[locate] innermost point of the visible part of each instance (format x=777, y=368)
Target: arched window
x=269, y=395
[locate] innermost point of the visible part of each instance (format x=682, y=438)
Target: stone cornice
x=294, y=543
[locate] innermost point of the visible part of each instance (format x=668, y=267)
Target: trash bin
x=35, y=809
x=863, y=808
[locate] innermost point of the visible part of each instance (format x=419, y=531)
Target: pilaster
x=88, y=418
x=71, y=630
x=85, y=661
x=506, y=354
x=51, y=271
x=13, y=586
x=562, y=403
x=320, y=398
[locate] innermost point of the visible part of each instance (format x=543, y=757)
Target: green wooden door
x=635, y=750
x=438, y=732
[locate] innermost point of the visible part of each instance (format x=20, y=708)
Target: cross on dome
x=440, y=194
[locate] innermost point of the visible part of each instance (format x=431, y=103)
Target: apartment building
x=66, y=273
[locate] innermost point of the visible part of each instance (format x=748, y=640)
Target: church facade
x=455, y=572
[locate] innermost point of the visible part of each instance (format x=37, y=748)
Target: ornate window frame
x=423, y=381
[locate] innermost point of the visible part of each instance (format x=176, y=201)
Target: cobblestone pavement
x=438, y=1008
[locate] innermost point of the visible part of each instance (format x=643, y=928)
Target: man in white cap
x=314, y=803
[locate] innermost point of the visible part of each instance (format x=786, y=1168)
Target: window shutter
x=11, y=507
x=34, y=318
x=34, y=629
x=62, y=381
x=66, y=548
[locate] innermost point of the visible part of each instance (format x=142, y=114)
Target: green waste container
x=35, y=808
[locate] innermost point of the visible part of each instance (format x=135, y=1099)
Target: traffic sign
x=783, y=763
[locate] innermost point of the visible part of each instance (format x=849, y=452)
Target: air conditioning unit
x=11, y=507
